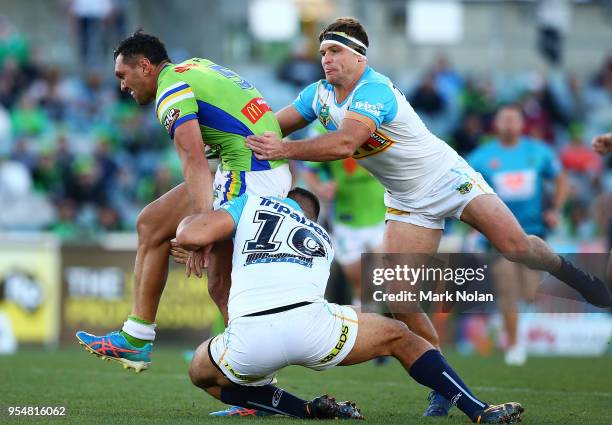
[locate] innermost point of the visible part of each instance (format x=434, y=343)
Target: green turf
x=554, y=391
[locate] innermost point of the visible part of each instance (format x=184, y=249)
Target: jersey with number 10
x=280, y=257
x=227, y=107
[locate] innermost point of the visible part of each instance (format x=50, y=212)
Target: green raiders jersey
x=359, y=199
x=227, y=107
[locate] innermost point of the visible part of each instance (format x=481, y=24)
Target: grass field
x=553, y=391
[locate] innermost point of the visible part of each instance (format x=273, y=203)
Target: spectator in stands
x=426, y=99
x=541, y=110
x=23, y=153
x=13, y=45
x=28, y=118
x=300, y=69
x=467, y=137
x=90, y=19
x=448, y=81
x=478, y=96
x=108, y=219
x=65, y=226
x=85, y=185
x=22, y=209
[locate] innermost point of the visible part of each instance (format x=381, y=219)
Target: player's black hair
x=300, y=196
x=141, y=43
x=348, y=25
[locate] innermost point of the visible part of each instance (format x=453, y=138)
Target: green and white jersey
x=227, y=107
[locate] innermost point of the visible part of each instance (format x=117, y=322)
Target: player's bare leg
x=205, y=374
x=156, y=226
x=266, y=398
x=381, y=336
x=411, y=239
x=490, y=216
x=408, y=238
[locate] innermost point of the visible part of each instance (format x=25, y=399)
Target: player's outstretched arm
x=326, y=147
x=290, y=120
x=190, y=147
x=200, y=230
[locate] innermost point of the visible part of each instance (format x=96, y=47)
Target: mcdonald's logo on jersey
x=255, y=109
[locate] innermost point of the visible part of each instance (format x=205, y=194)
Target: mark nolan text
x=433, y=296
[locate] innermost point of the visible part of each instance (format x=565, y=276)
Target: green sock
x=136, y=342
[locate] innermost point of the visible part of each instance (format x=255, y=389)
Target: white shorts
x=351, y=242
x=231, y=184
x=252, y=349
x=448, y=197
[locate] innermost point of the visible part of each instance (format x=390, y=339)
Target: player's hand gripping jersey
x=280, y=256
x=227, y=107
x=401, y=152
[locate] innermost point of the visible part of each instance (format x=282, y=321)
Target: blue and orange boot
x=114, y=346
x=238, y=411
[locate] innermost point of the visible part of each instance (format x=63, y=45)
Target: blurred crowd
x=79, y=158
x=561, y=110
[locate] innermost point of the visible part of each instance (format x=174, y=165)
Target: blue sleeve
x=551, y=167
x=304, y=102
x=376, y=101
x=235, y=207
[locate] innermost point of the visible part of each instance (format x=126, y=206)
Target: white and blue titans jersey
x=280, y=257
x=402, y=153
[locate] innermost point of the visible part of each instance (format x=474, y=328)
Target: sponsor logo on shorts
x=171, y=116
x=464, y=188
x=375, y=144
x=255, y=109
x=277, y=396
x=241, y=376
x=395, y=211
x=336, y=350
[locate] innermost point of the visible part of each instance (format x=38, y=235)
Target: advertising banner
x=98, y=286
x=30, y=287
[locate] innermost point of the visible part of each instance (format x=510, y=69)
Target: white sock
x=139, y=330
